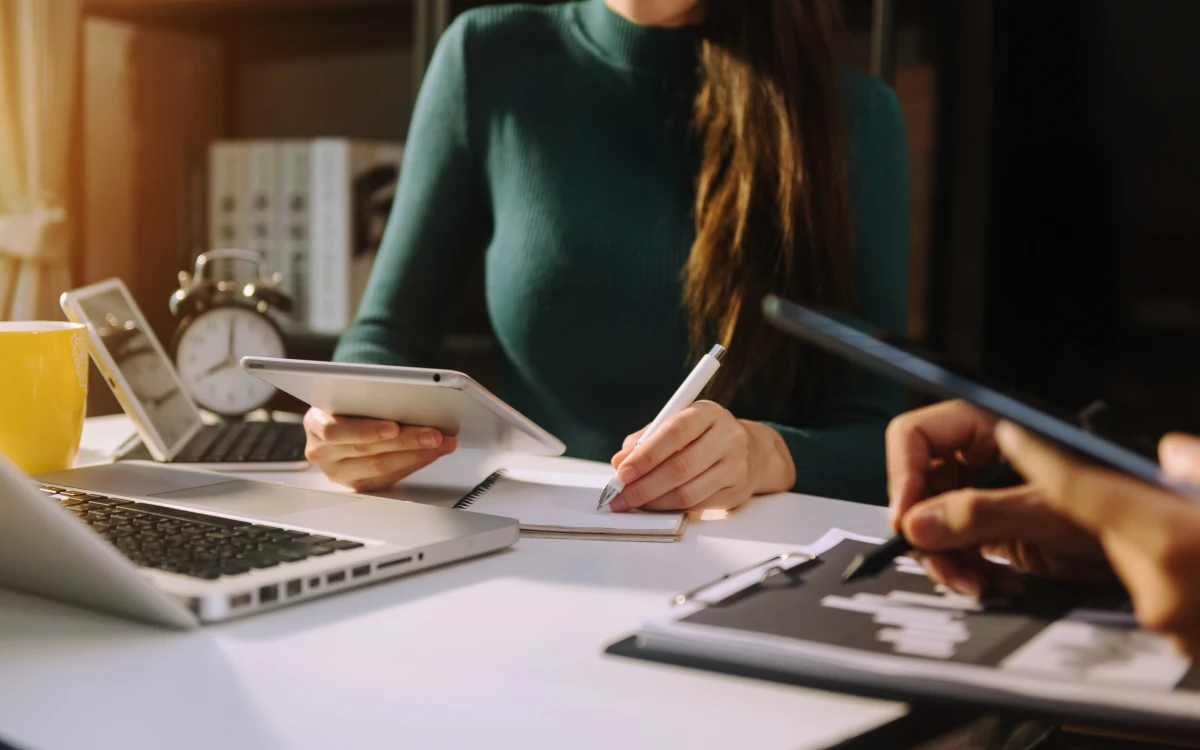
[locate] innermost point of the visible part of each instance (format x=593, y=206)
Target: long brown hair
x=772, y=205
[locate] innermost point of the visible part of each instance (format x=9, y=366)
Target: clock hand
x=231, y=325
x=222, y=365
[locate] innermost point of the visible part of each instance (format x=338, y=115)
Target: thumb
x=971, y=517
x=1180, y=457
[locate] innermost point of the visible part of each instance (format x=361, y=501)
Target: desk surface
x=503, y=651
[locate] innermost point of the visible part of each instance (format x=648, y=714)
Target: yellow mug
x=43, y=393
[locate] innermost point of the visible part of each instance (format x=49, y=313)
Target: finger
x=970, y=517
x=1099, y=501
x=916, y=438
x=1180, y=457
x=631, y=440
x=676, y=433
x=348, y=430
x=951, y=570
x=685, y=465
x=620, y=456
x=409, y=439
x=367, y=473
x=694, y=491
x=968, y=573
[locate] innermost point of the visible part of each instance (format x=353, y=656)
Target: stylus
x=683, y=398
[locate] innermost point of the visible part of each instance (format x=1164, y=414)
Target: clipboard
x=990, y=689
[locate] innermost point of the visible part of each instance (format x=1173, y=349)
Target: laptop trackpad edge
x=240, y=497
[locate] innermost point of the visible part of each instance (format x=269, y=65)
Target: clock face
x=209, y=353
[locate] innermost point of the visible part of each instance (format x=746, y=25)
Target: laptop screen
x=131, y=345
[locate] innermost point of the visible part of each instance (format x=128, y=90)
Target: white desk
x=504, y=651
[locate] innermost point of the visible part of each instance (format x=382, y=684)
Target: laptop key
x=263, y=449
x=107, y=501
x=256, y=560
x=342, y=544
x=186, y=515
x=285, y=553
x=312, y=539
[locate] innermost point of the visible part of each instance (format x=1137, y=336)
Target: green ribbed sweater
x=555, y=141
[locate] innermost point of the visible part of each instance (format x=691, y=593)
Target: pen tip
x=854, y=569
x=606, y=496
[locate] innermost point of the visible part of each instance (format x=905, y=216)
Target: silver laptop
x=179, y=548
x=150, y=390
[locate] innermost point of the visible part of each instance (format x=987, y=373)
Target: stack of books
x=314, y=209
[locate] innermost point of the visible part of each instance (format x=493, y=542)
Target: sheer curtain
x=39, y=52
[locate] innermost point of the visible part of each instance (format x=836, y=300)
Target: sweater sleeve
x=438, y=228
x=842, y=454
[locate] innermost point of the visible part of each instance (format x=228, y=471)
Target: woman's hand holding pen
x=933, y=455
x=702, y=458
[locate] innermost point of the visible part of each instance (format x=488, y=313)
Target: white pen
x=683, y=398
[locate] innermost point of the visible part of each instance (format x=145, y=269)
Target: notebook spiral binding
x=479, y=491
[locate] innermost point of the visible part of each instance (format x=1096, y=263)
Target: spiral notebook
x=556, y=506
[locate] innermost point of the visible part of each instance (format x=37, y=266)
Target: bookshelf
x=163, y=78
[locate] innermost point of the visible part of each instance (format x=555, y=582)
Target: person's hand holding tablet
x=370, y=454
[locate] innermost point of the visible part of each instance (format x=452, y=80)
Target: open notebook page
x=558, y=504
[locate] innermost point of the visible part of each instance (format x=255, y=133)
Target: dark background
x=1066, y=261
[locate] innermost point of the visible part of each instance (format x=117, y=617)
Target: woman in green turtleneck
x=637, y=175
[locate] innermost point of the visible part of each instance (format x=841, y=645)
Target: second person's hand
x=1150, y=535
x=370, y=454
x=702, y=458
x=934, y=450
x=933, y=456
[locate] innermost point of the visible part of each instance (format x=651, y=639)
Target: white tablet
x=136, y=366
x=448, y=400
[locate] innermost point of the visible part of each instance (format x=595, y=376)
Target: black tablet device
x=925, y=374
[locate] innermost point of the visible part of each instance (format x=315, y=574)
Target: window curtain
x=39, y=52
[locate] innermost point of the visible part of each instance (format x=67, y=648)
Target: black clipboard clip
x=777, y=571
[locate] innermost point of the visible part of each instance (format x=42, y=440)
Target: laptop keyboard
x=191, y=543
x=243, y=442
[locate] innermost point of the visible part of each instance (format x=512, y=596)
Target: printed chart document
x=1068, y=651
x=564, y=506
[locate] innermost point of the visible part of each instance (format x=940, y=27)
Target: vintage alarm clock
x=221, y=321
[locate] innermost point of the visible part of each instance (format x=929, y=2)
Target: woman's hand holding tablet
x=372, y=425
x=370, y=454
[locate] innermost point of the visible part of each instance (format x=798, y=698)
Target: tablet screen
x=122, y=331
x=922, y=372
